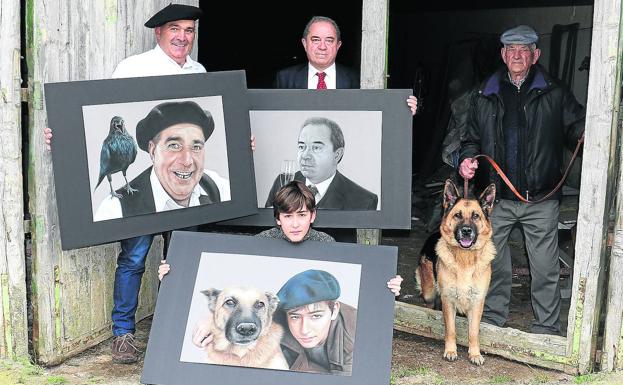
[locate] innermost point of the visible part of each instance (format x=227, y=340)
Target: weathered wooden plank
x=373, y=70
x=14, y=327
x=72, y=291
x=374, y=44
x=611, y=357
x=535, y=349
x=598, y=177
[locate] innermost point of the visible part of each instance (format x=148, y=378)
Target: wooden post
x=612, y=350
x=14, y=327
x=72, y=291
x=373, y=70
x=598, y=177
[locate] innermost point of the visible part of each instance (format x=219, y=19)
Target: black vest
x=142, y=201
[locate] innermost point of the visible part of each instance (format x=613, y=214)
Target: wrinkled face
x=465, y=222
x=178, y=155
x=519, y=58
x=310, y=324
x=176, y=39
x=316, y=157
x=295, y=225
x=321, y=44
x=242, y=313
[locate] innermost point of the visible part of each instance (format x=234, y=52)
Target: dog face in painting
x=241, y=314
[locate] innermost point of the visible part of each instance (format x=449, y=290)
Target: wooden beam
x=13, y=320
x=374, y=24
x=612, y=349
x=534, y=349
x=598, y=177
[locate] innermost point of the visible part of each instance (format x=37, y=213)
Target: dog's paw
x=450, y=355
x=477, y=359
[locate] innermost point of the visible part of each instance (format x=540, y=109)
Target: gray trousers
x=540, y=226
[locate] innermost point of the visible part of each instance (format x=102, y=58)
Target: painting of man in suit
x=320, y=148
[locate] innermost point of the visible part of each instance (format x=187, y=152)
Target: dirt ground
x=416, y=360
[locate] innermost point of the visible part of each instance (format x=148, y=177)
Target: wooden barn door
x=72, y=290
x=13, y=323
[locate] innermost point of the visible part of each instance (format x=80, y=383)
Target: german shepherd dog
x=463, y=255
x=243, y=328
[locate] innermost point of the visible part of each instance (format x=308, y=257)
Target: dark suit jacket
x=342, y=194
x=295, y=77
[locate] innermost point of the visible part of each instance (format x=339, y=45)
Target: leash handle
x=510, y=185
x=465, y=187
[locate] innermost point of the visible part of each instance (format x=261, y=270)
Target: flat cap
x=307, y=287
x=167, y=114
x=522, y=34
x=173, y=12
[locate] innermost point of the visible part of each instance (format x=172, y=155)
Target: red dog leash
x=510, y=184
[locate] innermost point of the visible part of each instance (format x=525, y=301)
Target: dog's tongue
x=466, y=242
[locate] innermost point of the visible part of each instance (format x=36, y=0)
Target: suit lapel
x=300, y=80
x=333, y=198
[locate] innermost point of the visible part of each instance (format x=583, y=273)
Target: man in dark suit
x=320, y=149
x=321, y=40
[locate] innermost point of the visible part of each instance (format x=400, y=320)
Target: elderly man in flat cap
x=523, y=118
x=175, y=28
x=174, y=135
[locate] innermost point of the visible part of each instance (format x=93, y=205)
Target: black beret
x=173, y=12
x=167, y=114
x=307, y=287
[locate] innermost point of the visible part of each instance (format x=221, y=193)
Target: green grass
x=587, y=378
x=503, y=379
x=415, y=372
x=56, y=380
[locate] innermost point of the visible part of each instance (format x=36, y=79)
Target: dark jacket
x=340, y=345
x=342, y=194
x=554, y=119
x=295, y=77
x=142, y=201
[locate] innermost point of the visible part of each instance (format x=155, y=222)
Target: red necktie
x=321, y=84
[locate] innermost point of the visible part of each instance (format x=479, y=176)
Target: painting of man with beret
x=174, y=135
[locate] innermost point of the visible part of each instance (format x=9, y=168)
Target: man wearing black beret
x=174, y=28
x=174, y=135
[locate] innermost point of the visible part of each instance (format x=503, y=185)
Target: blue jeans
x=130, y=268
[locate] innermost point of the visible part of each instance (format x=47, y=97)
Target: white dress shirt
x=154, y=62
x=110, y=208
x=312, y=77
x=322, y=187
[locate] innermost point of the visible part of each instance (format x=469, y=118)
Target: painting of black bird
x=118, y=153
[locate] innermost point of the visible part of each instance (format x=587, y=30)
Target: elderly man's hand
x=201, y=333
x=394, y=285
x=412, y=103
x=47, y=135
x=252, y=142
x=468, y=167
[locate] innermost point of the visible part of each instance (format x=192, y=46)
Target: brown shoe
x=123, y=349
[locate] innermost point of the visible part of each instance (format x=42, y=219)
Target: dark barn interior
x=438, y=49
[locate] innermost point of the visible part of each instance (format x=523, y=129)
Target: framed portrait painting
x=351, y=147
x=142, y=155
x=265, y=305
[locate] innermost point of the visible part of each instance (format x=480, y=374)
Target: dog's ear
x=450, y=195
x=211, y=294
x=273, y=302
x=487, y=198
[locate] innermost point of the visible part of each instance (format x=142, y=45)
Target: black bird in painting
x=118, y=153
